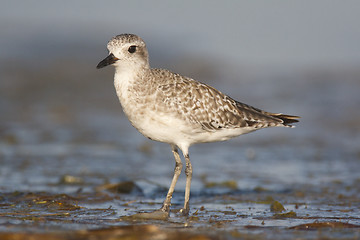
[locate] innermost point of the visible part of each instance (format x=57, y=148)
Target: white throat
x=124, y=77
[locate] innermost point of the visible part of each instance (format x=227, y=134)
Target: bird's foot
x=183, y=212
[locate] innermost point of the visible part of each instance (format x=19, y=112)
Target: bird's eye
x=132, y=49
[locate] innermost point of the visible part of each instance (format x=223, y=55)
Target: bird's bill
x=107, y=61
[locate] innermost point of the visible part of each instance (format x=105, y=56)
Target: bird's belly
x=159, y=127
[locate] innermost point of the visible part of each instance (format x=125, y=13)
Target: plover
x=171, y=108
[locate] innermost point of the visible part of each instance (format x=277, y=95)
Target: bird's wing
x=202, y=104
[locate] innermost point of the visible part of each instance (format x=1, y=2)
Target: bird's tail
x=287, y=119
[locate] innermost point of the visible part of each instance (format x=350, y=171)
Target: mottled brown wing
x=199, y=103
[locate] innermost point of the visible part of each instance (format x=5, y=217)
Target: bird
x=178, y=110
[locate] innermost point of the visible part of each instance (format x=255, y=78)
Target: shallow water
x=70, y=160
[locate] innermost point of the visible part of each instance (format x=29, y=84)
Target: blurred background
x=60, y=116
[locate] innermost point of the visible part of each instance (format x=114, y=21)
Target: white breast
x=138, y=108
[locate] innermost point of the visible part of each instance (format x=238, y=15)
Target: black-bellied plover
x=178, y=110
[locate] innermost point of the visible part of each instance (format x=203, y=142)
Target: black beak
x=107, y=61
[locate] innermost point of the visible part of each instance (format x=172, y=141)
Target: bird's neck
x=128, y=73
x=126, y=78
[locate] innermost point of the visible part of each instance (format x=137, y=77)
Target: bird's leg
x=178, y=167
x=188, y=171
x=164, y=211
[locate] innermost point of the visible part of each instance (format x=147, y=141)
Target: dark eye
x=132, y=49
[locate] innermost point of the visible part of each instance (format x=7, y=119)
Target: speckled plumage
x=178, y=110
